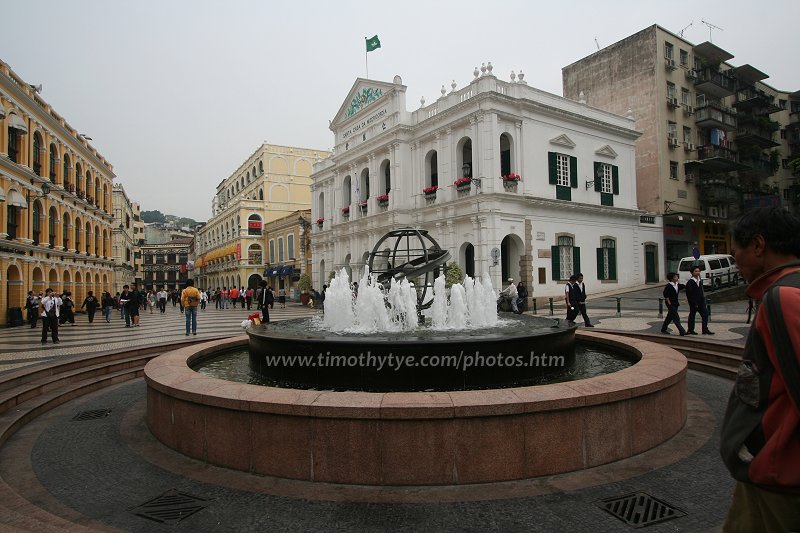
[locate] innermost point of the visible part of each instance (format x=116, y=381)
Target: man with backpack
x=190, y=299
x=760, y=438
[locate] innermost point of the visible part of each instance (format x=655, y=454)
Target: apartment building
x=716, y=139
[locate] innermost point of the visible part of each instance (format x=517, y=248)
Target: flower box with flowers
x=320, y=222
x=463, y=183
x=383, y=199
x=346, y=211
x=510, y=181
x=511, y=177
x=430, y=191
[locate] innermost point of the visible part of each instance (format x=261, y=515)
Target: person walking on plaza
x=226, y=296
x=582, y=300
x=266, y=299
x=32, y=307
x=696, y=297
x=671, y=291
x=234, y=296
x=760, y=436
x=162, y=299
x=151, y=300
x=571, y=297
x=282, y=297
x=510, y=294
x=190, y=299
x=203, y=300
x=90, y=303
x=123, y=300
x=49, y=309
x=108, y=305
x=248, y=297
x=67, y=309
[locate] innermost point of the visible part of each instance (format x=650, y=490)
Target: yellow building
x=273, y=183
x=55, y=202
x=288, y=251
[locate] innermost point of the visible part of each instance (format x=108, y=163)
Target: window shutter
x=612, y=263
x=555, y=261
x=576, y=259
x=598, y=176
x=573, y=172
x=563, y=193
x=551, y=160
x=615, y=179
x=600, y=263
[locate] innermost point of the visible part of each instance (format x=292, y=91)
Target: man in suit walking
x=671, y=298
x=697, y=302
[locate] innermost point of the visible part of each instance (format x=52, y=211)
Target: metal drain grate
x=171, y=507
x=640, y=509
x=92, y=415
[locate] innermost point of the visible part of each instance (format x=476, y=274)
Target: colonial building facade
x=55, y=201
x=166, y=265
x=716, y=139
x=124, y=246
x=272, y=183
x=288, y=251
x=511, y=180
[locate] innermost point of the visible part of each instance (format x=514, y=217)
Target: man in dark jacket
x=671, y=292
x=697, y=302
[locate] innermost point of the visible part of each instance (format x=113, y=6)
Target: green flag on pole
x=373, y=44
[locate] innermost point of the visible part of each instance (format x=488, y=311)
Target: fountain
x=412, y=424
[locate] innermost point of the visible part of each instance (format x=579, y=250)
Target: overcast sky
x=177, y=94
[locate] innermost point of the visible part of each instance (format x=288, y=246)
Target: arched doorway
x=511, y=251
x=253, y=281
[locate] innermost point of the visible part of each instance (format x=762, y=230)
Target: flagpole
x=366, y=56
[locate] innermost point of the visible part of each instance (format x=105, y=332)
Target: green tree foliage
x=304, y=284
x=153, y=216
x=454, y=275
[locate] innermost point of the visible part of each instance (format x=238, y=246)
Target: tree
x=453, y=275
x=304, y=284
x=153, y=216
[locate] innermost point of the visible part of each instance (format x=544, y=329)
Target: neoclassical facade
x=55, y=201
x=123, y=246
x=511, y=180
x=272, y=183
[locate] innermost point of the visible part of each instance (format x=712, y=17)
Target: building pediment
x=365, y=94
x=606, y=151
x=563, y=140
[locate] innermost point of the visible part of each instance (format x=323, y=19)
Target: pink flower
x=383, y=197
x=346, y=210
x=320, y=221
x=460, y=182
x=511, y=177
x=430, y=190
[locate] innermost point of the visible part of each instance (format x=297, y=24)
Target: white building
x=574, y=208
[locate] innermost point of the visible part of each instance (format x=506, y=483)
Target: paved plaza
x=100, y=474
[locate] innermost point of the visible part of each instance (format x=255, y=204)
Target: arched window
x=53, y=162
x=78, y=178
x=464, y=162
x=254, y=225
x=505, y=156
x=280, y=249
x=65, y=227
x=89, y=184
x=51, y=227
x=607, y=259
x=88, y=237
x=77, y=235
x=290, y=246
x=432, y=169
x=12, y=221
x=255, y=255
x=565, y=257
x=386, y=177
x=14, y=140
x=260, y=167
x=364, y=186
x=261, y=194
x=347, y=191
x=36, y=156
x=66, y=171
x=37, y=223
x=321, y=205
x=98, y=243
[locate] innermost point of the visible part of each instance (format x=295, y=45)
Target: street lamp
x=45, y=192
x=466, y=171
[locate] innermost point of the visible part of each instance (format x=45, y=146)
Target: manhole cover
x=640, y=509
x=171, y=507
x=92, y=415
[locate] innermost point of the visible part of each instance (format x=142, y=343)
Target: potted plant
x=320, y=222
x=463, y=183
x=346, y=211
x=383, y=199
x=510, y=181
x=430, y=191
x=304, y=284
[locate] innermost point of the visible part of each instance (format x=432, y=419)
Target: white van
x=721, y=268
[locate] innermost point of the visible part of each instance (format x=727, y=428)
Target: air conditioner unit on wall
x=673, y=102
x=688, y=147
x=673, y=142
x=669, y=63
x=691, y=74
x=689, y=110
x=713, y=212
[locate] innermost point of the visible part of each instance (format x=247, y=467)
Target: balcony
x=760, y=168
x=711, y=158
x=757, y=136
x=715, y=115
x=716, y=191
x=715, y=83
x=750, y=99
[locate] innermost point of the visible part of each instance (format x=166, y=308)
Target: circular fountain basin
x=418, y=438
x=521, y=349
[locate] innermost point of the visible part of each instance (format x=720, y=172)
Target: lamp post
x=45, y=192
